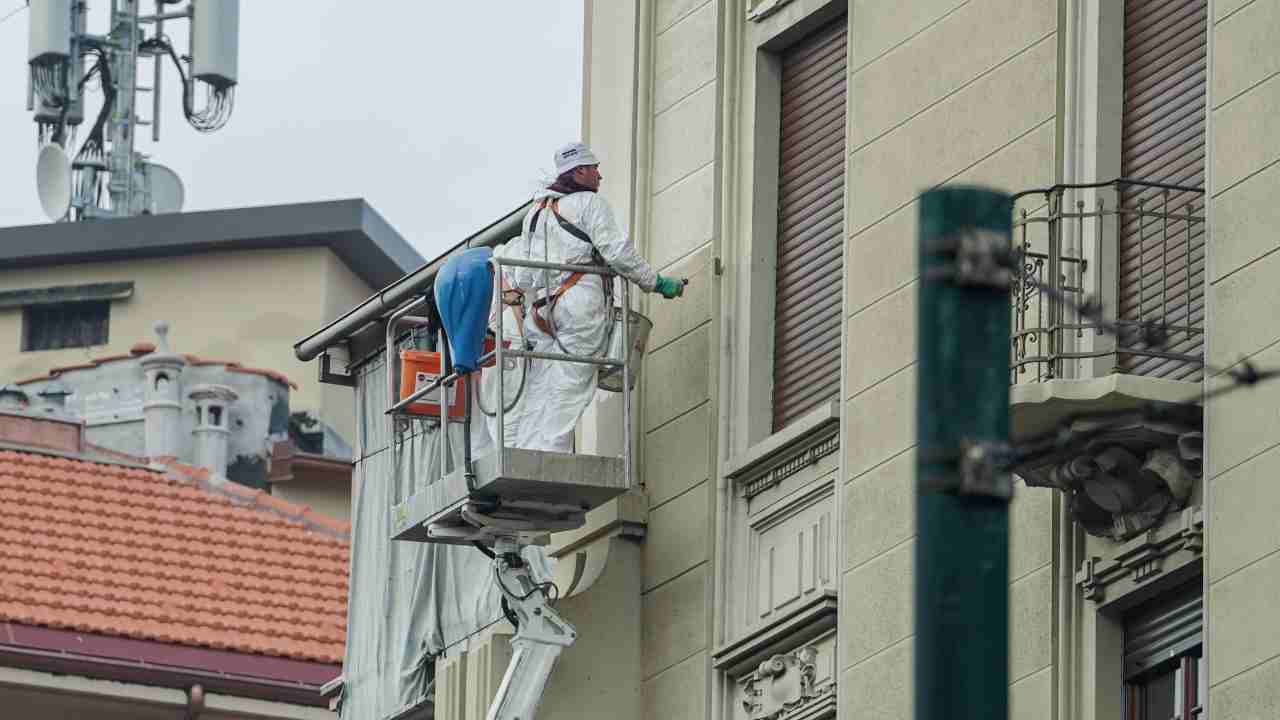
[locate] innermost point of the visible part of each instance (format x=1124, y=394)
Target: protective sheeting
x=408, y=601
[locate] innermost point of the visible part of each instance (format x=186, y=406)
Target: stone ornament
x=1127, y=480
x=783, y=686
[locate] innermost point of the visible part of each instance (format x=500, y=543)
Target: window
x=1162, y=664
x=65, y=325
x=810, y=235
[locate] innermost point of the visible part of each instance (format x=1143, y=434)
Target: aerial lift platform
x=510, y=497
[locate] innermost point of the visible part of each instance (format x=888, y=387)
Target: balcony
x=1136, y=250
x=1135, y=247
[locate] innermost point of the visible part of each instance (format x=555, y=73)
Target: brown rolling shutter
x=806, y=339
x=1161, y=262
x=1163, y=629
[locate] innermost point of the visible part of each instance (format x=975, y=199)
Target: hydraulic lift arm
x=541, y=635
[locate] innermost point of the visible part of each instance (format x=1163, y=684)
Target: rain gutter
x=397, y=293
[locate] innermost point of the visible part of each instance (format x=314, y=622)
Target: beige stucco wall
x=989, y=117
x=650, y=115
x=1242, y=558
x=679, y=214
x=929, y=105
x=244, y=306
x=330, y=498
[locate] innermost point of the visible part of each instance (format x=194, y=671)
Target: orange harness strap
x=550, y=302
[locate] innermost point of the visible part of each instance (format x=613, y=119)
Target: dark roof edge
x=213, y=669
x=395, y=294
x=350, y=228
x=389, y=239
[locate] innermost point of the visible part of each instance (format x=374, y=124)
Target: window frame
x=752, y=255
x=31, y=319
x=1188, y=697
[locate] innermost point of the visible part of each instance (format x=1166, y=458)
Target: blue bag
x=464, y=292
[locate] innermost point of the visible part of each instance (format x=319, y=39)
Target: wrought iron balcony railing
x=1136, y=247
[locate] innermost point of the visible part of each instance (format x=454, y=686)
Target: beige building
x=229, y=283
x=774, y=152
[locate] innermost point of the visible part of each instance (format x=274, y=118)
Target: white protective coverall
x=556, y=393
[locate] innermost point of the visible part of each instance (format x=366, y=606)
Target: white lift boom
x=541, y=635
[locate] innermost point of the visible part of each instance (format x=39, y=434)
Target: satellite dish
x=167, y=192
x=53, y=181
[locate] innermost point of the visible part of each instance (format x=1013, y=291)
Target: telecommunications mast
x=64, y=58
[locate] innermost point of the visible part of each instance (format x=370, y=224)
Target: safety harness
x=549, y=302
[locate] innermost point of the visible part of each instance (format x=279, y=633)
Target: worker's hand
x=668, y=288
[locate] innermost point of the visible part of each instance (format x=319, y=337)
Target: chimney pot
x=162, y=399
x=212, y=432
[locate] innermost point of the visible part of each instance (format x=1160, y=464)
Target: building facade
x=774, y=152
x=230, y=283
x=1143, y=604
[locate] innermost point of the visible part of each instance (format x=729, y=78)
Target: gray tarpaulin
x=408, y=601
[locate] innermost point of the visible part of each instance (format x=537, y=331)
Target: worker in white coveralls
x=569, y=223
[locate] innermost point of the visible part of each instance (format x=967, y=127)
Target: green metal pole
x=962, y=550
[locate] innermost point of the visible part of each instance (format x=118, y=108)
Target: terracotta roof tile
x=154, y=555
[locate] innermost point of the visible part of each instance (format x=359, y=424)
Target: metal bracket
x=328, y=377
x=981, y=258
x=980, y=255
x=982, y=470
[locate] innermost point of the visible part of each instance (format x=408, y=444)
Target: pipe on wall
x=195, y=702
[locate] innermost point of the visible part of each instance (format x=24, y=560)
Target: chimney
x=162, y=404
x=213, y=407
x=20, y=426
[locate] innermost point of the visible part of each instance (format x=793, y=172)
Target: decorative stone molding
x=1144, y=557
x=778, y=529
x=804, y=457
x=800, y=626
x=764, y=9
x=786, y=671
x=1123, y=479
x=784, y=686
x=799, y=446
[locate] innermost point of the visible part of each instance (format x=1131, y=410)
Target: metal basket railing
x=1136, y=247
x=399, y=407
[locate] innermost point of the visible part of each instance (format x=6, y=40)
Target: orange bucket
x=420, y=368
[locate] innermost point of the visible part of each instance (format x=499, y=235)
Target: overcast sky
x=439, y=114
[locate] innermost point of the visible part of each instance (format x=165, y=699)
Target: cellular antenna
x=60, y=47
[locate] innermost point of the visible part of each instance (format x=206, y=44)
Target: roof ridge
x=123, y=457
x=243, y=495
x=142, y=349
x=79, y=457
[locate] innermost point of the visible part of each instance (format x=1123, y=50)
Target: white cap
x=574, y=155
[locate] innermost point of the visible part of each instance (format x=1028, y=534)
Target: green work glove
x=668, y=288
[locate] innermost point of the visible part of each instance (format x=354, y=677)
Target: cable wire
x=1241, y=375
x=219, y=101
